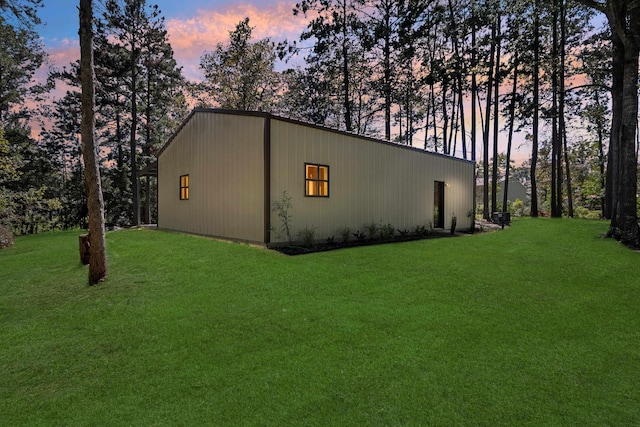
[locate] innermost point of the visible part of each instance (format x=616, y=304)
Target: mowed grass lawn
x=538, y=324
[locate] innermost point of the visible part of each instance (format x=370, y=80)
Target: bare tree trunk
x=387, y=75
x=556, y=182
x=601, y=160
x=95, y=203
x=135, y=190
x=474, y=94
x=536, y=108
x=613, y=158
x=433, y=113
x=563, y=130
x=147, y=202
x=512, y=117
x=445, y=118
x=345, y=70
x=426, y=126
x=463, y=128
x=626, y=227
x=624, y=20
x=454, y=121
x=496, y=115
x=460, y=94
x=485, y=137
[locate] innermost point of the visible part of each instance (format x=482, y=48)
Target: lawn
x=538, y=324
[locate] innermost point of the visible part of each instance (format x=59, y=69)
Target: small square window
x=184, y=187
x=316, y=180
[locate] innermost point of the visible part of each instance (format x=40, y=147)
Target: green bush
x=517, y=208
x=582, y=212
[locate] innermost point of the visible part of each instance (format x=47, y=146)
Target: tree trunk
x=601, y=160
x=460, y=92
x=433, y=113
x=626, y=226
x=624, y=19
x=135, y=192
x=496, y=115
x=563, y=130
x=345, y=70
x=536, y=108
x=613, y=158
x=474, y=94
x=387, y=77
x=512, y=116
x=556, y=183
x=95, y=203
x=485, y=137
x=147, y=201
x=451, y=149
x=445, y=117
x=463, y=128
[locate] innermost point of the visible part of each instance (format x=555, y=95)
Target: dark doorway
x=438, y=204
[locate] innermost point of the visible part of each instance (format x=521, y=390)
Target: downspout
x=266, y=139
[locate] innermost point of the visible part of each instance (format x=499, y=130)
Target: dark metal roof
x=301, y=123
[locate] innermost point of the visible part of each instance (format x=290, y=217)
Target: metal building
x=221, y=172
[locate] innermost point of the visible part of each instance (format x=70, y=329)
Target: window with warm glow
x=316, y=180
x=184, y=187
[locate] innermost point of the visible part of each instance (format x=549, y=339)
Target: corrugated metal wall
x=369, y=182
x=223, y=154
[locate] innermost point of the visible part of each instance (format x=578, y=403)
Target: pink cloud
x=192, y=37
x=64, y=52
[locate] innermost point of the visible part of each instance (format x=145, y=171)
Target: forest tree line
x=450, y=76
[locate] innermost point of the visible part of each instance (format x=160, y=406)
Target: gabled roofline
x=300, y=123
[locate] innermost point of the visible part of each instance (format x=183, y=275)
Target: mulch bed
x=330, y=246
x=480, y=227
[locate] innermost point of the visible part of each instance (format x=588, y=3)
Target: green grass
x=538, y=324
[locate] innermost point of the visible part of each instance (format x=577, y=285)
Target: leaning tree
x=623, y=17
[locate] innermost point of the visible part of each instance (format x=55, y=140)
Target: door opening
x=438, y=204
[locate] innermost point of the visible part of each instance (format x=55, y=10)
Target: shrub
x=359, y=235
x=454, y=223
x=387, y=232
x=345, y=232
x=582, y=212
x=372, y=229
x=6, y=237
x=422, y=230
x=307, y=236
x=517, y=208
x=281, y=208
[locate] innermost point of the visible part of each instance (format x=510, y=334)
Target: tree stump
x=83, y=241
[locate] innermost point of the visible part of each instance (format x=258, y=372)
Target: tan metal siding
x=223, y=156
x=369, y=182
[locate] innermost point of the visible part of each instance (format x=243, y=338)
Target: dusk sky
x=194, y=26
